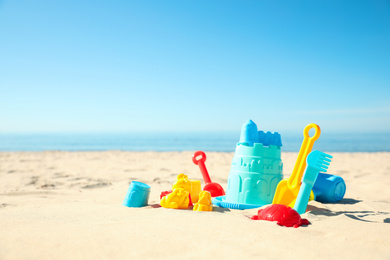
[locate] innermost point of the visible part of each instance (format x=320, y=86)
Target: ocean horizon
x=185, y=141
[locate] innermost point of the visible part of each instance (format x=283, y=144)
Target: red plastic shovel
x=214, y=188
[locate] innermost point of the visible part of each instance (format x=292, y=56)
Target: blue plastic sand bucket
x=255, y=171
x=137, y=195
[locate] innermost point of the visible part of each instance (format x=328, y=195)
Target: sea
x=183, y=141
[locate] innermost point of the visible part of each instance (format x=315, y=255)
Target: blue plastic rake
x=316, y=161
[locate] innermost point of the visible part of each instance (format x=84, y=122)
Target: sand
x=68, y=205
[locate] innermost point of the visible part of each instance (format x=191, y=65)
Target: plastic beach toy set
x=255, y=180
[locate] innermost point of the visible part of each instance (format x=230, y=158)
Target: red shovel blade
x=215, y=189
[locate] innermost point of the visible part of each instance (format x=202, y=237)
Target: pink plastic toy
x=282, y=214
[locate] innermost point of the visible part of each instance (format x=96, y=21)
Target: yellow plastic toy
x=182, y=182
x=178, y=199
x=204, y=202
x=192, y=186
x=288, y=189
x=196, y=188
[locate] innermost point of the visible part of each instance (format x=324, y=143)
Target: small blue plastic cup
x=329, y=188
x=137, y=195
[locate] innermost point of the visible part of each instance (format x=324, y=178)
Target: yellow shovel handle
x=300, y=164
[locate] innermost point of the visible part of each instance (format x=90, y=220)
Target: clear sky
x=204, y=65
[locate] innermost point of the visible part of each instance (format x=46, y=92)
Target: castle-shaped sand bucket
x=255, y=171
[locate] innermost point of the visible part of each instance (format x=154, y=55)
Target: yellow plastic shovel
x=288, y=189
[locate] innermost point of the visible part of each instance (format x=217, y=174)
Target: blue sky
x=80, y=66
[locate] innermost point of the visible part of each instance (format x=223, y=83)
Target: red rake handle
x=202, y=166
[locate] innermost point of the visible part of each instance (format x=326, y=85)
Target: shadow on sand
x=356, y=215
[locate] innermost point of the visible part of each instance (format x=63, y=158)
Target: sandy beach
x=68, y=205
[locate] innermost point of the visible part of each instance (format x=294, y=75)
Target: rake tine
x=323, y=166
x=325, y=163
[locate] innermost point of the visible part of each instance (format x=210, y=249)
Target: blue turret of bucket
x=250, y=136
x=255, y=171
